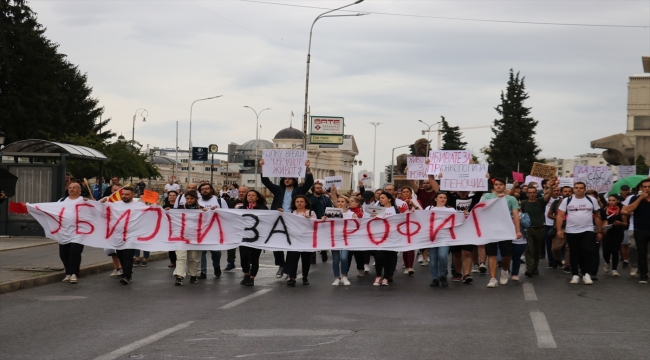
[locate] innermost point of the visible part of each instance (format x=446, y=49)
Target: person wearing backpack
x=580, y=213
x=639, y=209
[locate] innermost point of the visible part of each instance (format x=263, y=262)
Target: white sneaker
x=406, y=271
x=366, y=269
x=120, y=272
x=426, y=263
x=505, y=275
x=575, y=279
x=284, y=277
x=66, y=278
x=606, y=268
x=475, y=268
x=633, y=271
x=420, y=258
x=336, y=282
x=73, y=279
x=523, y=258
x=587, y=279
x=345, y=281
x=493, y=283
x=114, y=273
x=615, y=273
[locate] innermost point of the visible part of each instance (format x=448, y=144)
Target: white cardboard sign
x=330, y=181
x=366, y=176
x=417, y=168
x=566, y=182
x=464, y=177
x=284, y=163
x=437, y=158
x=625, y=171
x=601, y=181
x=534, y=179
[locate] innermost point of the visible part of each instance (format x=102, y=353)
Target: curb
x=28, y=246
x=58, y=276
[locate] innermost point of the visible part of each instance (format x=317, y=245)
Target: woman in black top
x=614, y=236
x=250, y=257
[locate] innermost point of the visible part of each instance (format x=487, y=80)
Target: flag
x=17, y=207
x=116, y=196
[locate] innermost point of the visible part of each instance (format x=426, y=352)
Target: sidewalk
x=32, y=261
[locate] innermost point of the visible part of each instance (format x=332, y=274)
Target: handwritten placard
x=548, y=172
x=438, y=158
x=284, y=163
x=464, y=177
x=581, y=169
x=330, y=181
x=625, y=171
x=566, y=182
x=533, y=179
x=601, y=181
x=149, y=196
x=417, y=168
x=518, y=177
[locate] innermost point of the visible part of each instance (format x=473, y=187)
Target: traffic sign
x=199, y=154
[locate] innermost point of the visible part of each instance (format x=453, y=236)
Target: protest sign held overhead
x=548, y=172
x=330, y=181
x=566, y=182
x=601, y=181
x=284, y=163
x=464, y=177
x=625, y=171
x=533, y=179
x=365, y=176
x=149, y=196
x=417, y=168
x=333, y=213
x=437, y=158
x=518, y=177
x=583, y=169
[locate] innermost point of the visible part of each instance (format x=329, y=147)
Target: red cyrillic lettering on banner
x=315, y=235
x=179, y=238
x=77, y=221
x=345, y=229
x=109, y=230
x=434, y=232
x=158, y=221
x=408, y=232
x=58, y=221
x=386, y=230
x=476, y=223
x=200, y=236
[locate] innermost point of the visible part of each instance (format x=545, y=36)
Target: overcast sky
x=162, y=55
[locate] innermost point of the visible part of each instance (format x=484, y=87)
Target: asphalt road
x=543, y=318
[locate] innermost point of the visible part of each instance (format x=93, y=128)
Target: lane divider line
x=542, y=330
x=232, y=304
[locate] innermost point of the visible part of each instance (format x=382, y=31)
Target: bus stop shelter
x=40, y=166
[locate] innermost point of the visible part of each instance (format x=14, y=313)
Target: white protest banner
x=437, y=158
x=417, y=168
x=464, y=177
x=625, y=171
x=601, y=181
x=583, y=169
x=284, y=163
x=566, y=182
x=138, y=226
x=530, y=179
x=330, y=181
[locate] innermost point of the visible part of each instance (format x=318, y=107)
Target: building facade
x=565, y=166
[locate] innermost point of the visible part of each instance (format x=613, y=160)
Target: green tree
x=513, y=142
x=42, y=95
x=641, y=166
x=452, y=138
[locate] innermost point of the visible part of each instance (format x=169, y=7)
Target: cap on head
x=625, y=187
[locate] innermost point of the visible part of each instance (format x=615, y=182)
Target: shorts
x=458, y=248
x=110, y=252
x=505, y=246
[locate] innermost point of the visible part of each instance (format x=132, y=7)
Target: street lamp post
x=144, y=119
x=429, y=134
x=374, y=152
x=392, y=161
x=189, y=161
x=257, y=137
x=352, y=163
x=304, y=122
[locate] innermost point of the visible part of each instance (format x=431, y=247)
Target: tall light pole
x=189, y=162
x=304, y=122
x=429, y=135
x=374, y=153
x=392, y=160
x=257, y=137
x=144, y=119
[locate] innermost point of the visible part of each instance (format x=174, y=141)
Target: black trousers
x=172, y=257
x=292, y=262
x=359, y=258
x=250, y=260
x=385, y=263
x=70, y=255
x=126, y=259
x=642, y=238
x=583, y=252
x=232, y=255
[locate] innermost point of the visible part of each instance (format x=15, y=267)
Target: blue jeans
x=340, y=263
x=145, y=254
x=517, y=251
x=438, y=261
x=216, y=260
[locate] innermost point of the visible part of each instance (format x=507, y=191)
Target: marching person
x=438, y=255
x=413, y=203
x=171, y=186
x=168, y=203
x=580, y=213
x=188, y=261
x=300, y=206
x=282, y=196
x=640, y=209
x=385, y=259
x=70, y=253
x=319, y=201
x=535, y=208
x=208, y=200
x=250, y=257
x=340, y=258
x=613, y=237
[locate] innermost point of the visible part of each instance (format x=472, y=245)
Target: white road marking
x=529, y=292
x=542, y=330
x=146, y=341
x=231, y=305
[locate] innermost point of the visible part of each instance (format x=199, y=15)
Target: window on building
x=642, y=123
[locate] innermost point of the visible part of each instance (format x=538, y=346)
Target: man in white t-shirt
x=171, y=187
x=580, y=213
x=210, y=201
